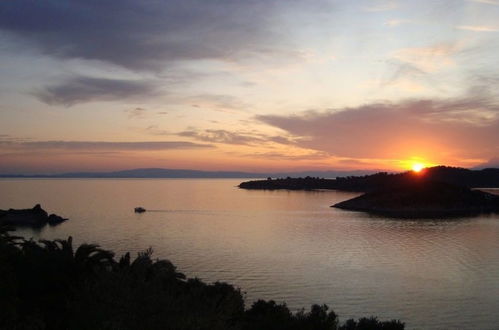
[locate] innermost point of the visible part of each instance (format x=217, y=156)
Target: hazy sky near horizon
x=251, y=85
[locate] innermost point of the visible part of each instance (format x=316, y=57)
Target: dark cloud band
x=140, y=35
x=103, y=145
x=80, y=89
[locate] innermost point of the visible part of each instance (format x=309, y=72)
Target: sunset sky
x=252, y=85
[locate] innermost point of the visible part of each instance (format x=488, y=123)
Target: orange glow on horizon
x=416, y=164
x=417, y=167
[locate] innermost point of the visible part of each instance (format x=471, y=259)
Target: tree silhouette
x=50, y=285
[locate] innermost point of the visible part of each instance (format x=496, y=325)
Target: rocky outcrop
x=424, y=200
x=35, y=217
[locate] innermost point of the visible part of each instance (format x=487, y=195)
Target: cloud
x=354, y=162
x=381, y=5
x=488, y=2
x=222, y=103
x=465, y=127
x=478, y=28
x=101, y=145
x=397, y=22
x=237, y=138
x=220, y=136
x=136, y=113
x=492, y=163
x=155, y=130
x=427, y=59
x=81, y=89
x=142, y=35
x=45, y=153
x=402, y=72
x=303, y=156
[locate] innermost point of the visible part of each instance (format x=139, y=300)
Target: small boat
x=139, y=210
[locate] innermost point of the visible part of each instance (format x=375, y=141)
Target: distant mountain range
x=181, y=173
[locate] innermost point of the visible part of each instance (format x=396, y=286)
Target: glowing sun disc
x=417, y=167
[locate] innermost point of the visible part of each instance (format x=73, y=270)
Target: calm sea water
x=286, y=245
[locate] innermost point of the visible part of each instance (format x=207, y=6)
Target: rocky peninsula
x=34, y=217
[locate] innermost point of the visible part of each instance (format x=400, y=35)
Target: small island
x=34, y=217
x=423, y=199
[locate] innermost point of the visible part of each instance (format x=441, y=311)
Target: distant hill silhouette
x=486, y=178
x=183, y=173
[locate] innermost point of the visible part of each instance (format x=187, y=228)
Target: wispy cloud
x=478, y=28
x=381, y=5
x=494, y=162
x=156, y=130
x=427, y=59
x=397, y=22
x=217, y=102
x=403, y=71
x=302, y=155
x=81, y=89
x=220, y=136
x=233, y=137
x=101, y=145
x=488, y=2
x=136, y=113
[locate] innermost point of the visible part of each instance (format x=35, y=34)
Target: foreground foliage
x=52, y=285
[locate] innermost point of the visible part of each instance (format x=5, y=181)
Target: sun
x=417, y=167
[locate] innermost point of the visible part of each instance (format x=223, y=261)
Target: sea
x=288, y=246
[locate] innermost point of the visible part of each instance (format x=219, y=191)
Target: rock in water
x=35, y=217
x=54, y=219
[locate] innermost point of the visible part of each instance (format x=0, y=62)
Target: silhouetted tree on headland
x=52, y=285
x=457, y=176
